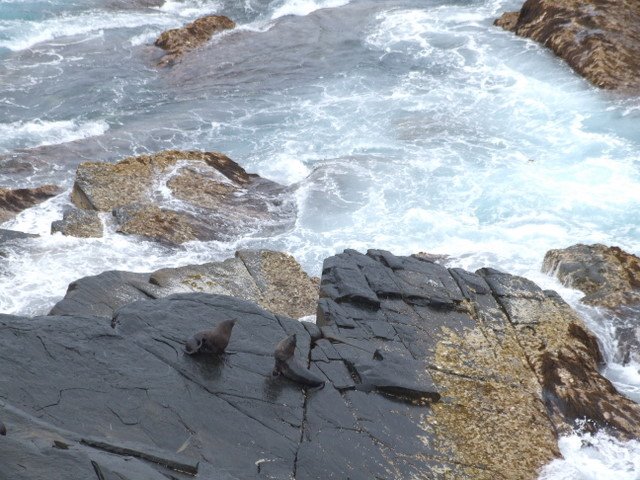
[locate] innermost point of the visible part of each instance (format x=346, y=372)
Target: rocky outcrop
x=273, y=280
x=427, y=372
x=176, y=197
x=514, y=363
x=610, y=278
x=13, y=202
x=178, y=41
x=597, y=38
x=79, y=223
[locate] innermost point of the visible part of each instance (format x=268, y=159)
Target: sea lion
x=3, y=429
x=213, y=341
x=288, y=365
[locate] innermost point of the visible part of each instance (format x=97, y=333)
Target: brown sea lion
x=288, y=365
x=212, y=341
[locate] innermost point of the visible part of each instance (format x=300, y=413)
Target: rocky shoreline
x=402, y=367
x=597, y=38
x=427, y=370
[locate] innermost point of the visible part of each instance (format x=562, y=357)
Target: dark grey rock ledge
x=430, y=373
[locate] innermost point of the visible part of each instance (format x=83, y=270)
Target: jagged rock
x=429, y=373
x=176, y=196
x=597, y=38
x=273, y=280
x=178, y=41
x=514, y=363
x=13, y=202
x=609, y=277
x=79, y=223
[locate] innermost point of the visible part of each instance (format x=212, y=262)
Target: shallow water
x=399, y=124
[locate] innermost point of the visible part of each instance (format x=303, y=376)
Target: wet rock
x=610, y=278
x=176, y=197
x=485, y=342
x=10, y=235
x=597, y=38
x=79, y=223
x=13, y=202
x=273, y=280
x=159, y=224
x=474, y=385
x=178, y=41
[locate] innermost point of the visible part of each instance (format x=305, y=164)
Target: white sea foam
x=23, y=34
x=191, y=8
x=594, y=457
x=38, y=133
x=304, y=7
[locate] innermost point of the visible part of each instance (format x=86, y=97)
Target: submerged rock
x=178, y=41
x=10, y=235
x=273, y=280
x=598, y=39
x=79, y=223
x=176, y=196
x=610, y=278
x=428, y=372
x=13, y=202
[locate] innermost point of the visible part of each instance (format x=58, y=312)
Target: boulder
x=13, y=202
x=610, y=278
x=597, y=38
x=429, y=373
x=273, y=280
x=79, y=223
x=176, y=196
x=178, y=41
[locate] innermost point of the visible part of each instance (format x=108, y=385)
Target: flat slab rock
x=273, y=280
x=597, y=38
x=429, y=373
x=179, y=196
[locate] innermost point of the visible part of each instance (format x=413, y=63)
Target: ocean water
x=407, y=125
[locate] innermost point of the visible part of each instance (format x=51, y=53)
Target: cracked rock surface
x=429, y=373
x=273, y=280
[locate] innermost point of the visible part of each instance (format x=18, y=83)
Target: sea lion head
x=285, y=348
x=226, y=326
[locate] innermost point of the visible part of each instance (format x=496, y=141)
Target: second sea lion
x=288, y=365
x=212, y=341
